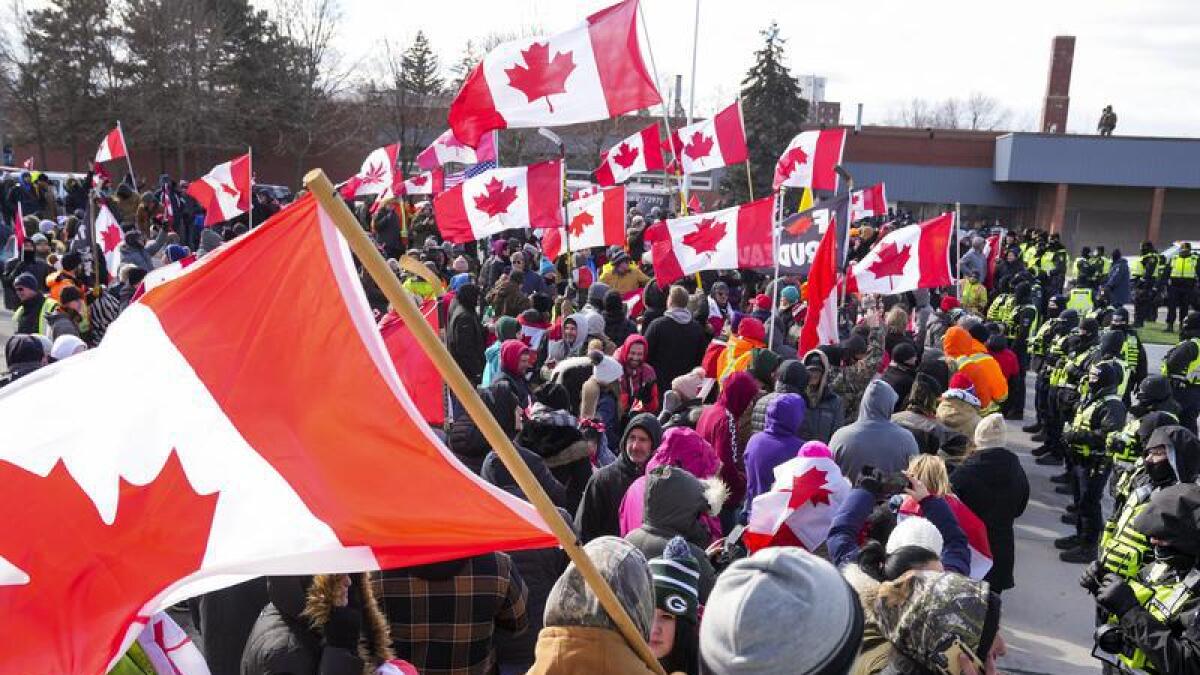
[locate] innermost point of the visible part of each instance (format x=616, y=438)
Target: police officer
x=1084, y=269
x=1101, y=264
x=1157, y=627
x=1182, y=366
x=1133, y=353
x=1146, y=272
x=1075, y=350
x=1053, y=264
x=1100, y=413
x=1153, y=406
x=1020, y=325
x=1181, y=284
x=1058, y=324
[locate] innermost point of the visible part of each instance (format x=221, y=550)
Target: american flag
x=453, y=179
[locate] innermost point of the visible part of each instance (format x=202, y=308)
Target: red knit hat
x=949, y=302
x=960, y=381
x=762, y=301
x=752, y=329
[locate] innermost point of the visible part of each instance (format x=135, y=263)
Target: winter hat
x=915, y=531
x=176, y=252
x=949, y=302
x=791, y=294
x=751, y=328
x=507, y=328
x=39, y=238
x=676, y=580
x=782, y=610
x=595, y=323
x=925, y=614
x=66, y=345
x=596, y=293
x=1173, y=516
x=460, y=264
x=815, y=449
x=72, y=260
x=547, y=267
x=70, y=294
x=459, y=280
x=762, y=302
x=961, y=380
x=979, y=332
x=991, y=432
x=46, y=226
x=605, y=369
x=688, y=385
x=26, y=280
x=543, y=303
x=763, y=364
x=903, y=352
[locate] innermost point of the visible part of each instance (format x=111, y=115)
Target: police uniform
x=1181, y=285
x=1182, y=366
x=1146, y=272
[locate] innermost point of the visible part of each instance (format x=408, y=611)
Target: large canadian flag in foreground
x=738, y=237
x=917, y=256
x=594, y=221
x=265, y=442
x=591, y=72
x=447, y=148
x=821, y=317
x=501, y=199
x=224, y=192
x=639, y=153
x=809, y=160
x=716, y=142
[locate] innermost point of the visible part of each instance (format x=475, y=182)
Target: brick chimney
x=1058, y=85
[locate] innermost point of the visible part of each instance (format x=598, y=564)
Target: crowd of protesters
x=653, y=415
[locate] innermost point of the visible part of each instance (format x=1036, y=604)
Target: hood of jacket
x=649, y=423
x=785, y=415
x=791, y=377
x=674, y=501
x=581, y=332
x=375, y=648
x=920, y=610
x=1184, y=450
x=510, y=355
x=821, y=359
x=23, y=349
x=622, y=354
x=679, y=315
x=878, y=401
x=958, y=342
x=571, y=601
x=686, y=449
x=738, y=392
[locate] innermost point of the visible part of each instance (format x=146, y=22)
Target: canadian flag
x=809, y=159
x=421, y=378
x=591, y=72
x=295, y=453
x=19, y=232
x=821, y=320
x=715, y=142
x=169, y=649
x=598, y=220
x=501, y=199
x=868, y=202
x=447, y=148
x=161, y=275
x=639, y=153
x=734, y=238
x=108, y=237
x=798, y=511
x=917, y=256
x=225, y=191
x=379, y=172
x=427, y=183
x=972, y=526
x=112, y=147
x=992, y=249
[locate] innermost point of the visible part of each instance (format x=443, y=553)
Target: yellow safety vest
x=1183, y=268
x=1165, y=598
x=1029, y=255
x=48, y=306
x=1123, y=550
x=1080, y=300
x=1083, y=422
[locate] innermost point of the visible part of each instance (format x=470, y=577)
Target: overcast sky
x=1143, y=57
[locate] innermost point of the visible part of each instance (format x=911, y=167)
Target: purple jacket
x=778, y=442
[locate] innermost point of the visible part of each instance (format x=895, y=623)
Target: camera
x=895, y=484
x=1109, y=639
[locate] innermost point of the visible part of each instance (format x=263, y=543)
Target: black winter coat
x=465, y=338
x=225, y=619
x=674, y=348
x=599, y=510
x=992, y=483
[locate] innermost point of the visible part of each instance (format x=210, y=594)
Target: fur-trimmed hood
x=375, y=646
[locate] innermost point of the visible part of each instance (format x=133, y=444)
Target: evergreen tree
x=420, y=72
x=772, y=112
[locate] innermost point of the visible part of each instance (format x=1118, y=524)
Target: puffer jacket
x=685, y=449
x=554, y=435
x=775, y=445
x=974, y=361
x=675, y=500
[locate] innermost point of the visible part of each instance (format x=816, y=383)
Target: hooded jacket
x=736, y=356
x=617, y=325
x=918, y=611
x=718, y=426
x=560, y=350
x=1183, y=450
x=579, y=636
x=974, y=361
x=675, y=343
x=790, y=378
x=675, y=502
x=873, y=439
x=826, y=410
x=599, y=509
x=993, y=485
x=776, y=444
x=640, y=385
x=507, y=328
x=465, y=334
x=683, y=448
x=23, y=354
x=511, y=352
x=554, y=435
x=287, y=638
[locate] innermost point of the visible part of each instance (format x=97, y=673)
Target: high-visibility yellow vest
x=1165, y=597
x=1083, y=422
x=1080, y=300
x=1029, y=255
x=1123, y=550
x=48, y=306
x=1183, y=267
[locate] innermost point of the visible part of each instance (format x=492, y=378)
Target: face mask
x=1140, y=408
x=1169, y=555
x=1161, y=473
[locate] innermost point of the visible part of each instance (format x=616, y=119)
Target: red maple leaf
x=709, y=232
x=792, y=159
x=88, y=580
x=580, y=222
x=541, y=75
x=625, y=155
x=374, y=174
x=419, y=180
x=112, y=238
x=699, y=146
x=809, y=488
x=497, y=199
x=890, y=262
x=230, y=190
x=801, y=225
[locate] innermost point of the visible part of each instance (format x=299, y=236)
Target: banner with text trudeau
x=734, y=238
x=800, y=233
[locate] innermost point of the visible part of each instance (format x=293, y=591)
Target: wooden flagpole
x=128, y=161
x=97, y=247
x=318, y=183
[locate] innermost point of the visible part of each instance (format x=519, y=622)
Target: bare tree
x=917, y=113
x=948, y=114
x=982, y=112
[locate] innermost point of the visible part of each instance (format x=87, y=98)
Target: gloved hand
x=871, y=480
x=344, y=628
x=1116, y=596
x=1090, y=579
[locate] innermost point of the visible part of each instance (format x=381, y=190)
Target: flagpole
x=128, y=160
x=318, y=183
x=666, y=117
x=96, y=255
x=958, y=282
x=775, y=224
x=250, y=168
